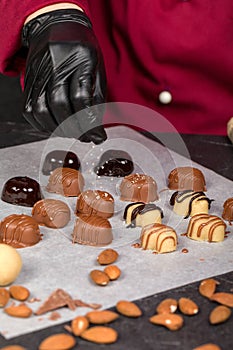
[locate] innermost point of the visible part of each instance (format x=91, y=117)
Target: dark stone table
x=214, y=152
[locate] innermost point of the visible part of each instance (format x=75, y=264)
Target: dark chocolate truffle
x=114, y=163
x=228, y=210
x=21, y=190
x=66, y=181
x=186, y=178
x=51, y=213
x=92, y=230
x=19, y=231
x=95, y=202
x=58, y=158
x=138, y=188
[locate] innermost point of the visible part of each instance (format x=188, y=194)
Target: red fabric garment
x=183, y=46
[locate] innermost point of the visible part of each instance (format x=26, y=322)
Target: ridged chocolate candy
x=51, y=213
x=92, y=230
x=228, y=210
x=95, y=202
x=66, y=181
x=19, y=231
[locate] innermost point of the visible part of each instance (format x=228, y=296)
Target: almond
x=60, y=341
x=167, y=306
x=171, y=321
x=13, y=347
x=107, y=256
x=19, y=292
x=99, y=277
x=208, y=346
x=102, y=316
x=79, y=324
x=223, y=298
x=128, y=308
x=187, y=306
x=207, y=287
x=20, y=310
x=4, y=297
x=100, y=335
x=113, y=272
x=219, y=314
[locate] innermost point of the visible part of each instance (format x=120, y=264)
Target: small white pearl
x=165, y=97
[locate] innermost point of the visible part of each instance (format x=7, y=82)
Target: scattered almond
x=167, y=306
x=219, y=314
x=208, y=346
x=102, y=316
x=20, y=310
x=19, y=292
x=4, y=297
x=113, y=272
x=207, y=287
x=171, y=321
x=187, y=306
x=60, y=341
x=79, y=324
x=223, y=298
x=100, y=335
x=128, y=308
x=99, y=277
x=107, y=256
x=13, y=347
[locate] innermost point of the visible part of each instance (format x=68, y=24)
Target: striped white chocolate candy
x=142, y=214
x=204, y=227
x=159, y=237
x=188, y=203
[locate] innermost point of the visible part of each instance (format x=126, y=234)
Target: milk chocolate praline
x=186, y=178
x=95, y=202
x=51, y=213
x=21, y=190
x=92, y=230
x=66, y=181
x=138, y=188
x=114, y=163
x=227, y=213
x=59, y=158
x=19, y=231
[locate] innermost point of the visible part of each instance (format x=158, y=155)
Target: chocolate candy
x=58, y=158
x=186, y=178
x=96, y=202
x=114, y=163
x=19, y=231
x=21, y=190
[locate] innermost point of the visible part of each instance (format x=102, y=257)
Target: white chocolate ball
x=165, y=97
x=10, y=264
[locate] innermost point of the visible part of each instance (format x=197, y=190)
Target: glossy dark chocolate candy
x=57, y=159
x=21, y=190
x=115, y=163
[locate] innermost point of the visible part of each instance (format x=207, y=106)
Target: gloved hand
x=64, y=74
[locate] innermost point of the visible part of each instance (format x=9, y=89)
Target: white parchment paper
x=57, y=263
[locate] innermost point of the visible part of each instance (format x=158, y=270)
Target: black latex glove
x=64, y=74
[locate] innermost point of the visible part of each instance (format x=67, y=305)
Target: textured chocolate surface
x=51, y=213
x=227, y=213
x=115, y=163
x=95, y=202
x=92, y=230
x=19, y=231
x=186, y=178
x=138, y=187
x=21, y=190
x=66, y=181
x=59, y=158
